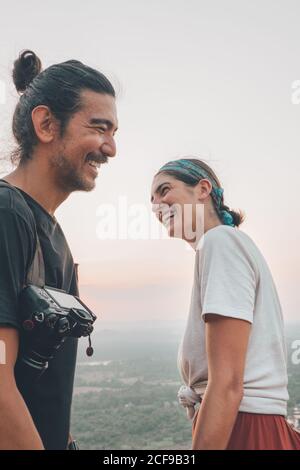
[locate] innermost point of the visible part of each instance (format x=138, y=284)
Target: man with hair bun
x=64, y=125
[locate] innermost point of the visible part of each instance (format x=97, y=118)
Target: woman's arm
x=226, y=347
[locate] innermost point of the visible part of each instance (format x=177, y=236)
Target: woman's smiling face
x=176, y=205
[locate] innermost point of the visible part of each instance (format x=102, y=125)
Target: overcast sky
x=206, y=78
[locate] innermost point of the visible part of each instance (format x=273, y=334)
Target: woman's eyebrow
x=158, y=189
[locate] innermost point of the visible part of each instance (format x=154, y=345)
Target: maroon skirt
x=253, y=431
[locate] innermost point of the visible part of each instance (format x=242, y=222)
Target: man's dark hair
x=58, y=87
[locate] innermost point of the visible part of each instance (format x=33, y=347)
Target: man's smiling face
x=87, y=142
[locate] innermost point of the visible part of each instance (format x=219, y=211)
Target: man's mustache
x=97, y=157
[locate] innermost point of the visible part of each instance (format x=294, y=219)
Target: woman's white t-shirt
x=232, y=279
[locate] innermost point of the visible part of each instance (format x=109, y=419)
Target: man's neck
x=37, y=184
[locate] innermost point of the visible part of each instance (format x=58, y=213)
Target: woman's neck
x=210, y=221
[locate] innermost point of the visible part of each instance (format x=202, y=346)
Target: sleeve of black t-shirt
x=17, y=247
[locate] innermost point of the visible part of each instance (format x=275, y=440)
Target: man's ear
x=203, y=189
x=45, y=125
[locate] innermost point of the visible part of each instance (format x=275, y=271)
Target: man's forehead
x=98, y=105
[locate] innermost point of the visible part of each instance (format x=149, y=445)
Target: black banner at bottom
x=136, y=458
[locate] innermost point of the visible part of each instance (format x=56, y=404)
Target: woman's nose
x=155, y=207
x=157, y=211
x=156, y=202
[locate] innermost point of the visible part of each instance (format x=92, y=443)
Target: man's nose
x=108, y=148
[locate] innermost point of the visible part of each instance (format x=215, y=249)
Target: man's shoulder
x=12, y=201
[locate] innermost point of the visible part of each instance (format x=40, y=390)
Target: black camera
x=48, y=317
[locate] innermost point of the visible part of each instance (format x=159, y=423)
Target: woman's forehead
x=160, y=179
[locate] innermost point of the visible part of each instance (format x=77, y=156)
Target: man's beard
x=68, y=177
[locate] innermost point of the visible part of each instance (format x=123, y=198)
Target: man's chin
x=80, y=184
x=88, y=186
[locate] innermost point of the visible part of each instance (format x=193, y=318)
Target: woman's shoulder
x=224, y=233
x=230, y=245
x=226, y=238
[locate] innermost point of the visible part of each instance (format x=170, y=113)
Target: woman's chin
x=175, y=232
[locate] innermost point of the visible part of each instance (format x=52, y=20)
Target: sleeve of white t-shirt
x=227, y=277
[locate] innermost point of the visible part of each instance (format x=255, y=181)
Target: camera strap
x=36, y=272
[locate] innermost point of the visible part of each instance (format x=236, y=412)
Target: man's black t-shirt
x=49, y=400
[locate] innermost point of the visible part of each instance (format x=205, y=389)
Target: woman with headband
x=233, y=354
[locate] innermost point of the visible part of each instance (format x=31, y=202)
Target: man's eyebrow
x=158, y=189
x=106, y=122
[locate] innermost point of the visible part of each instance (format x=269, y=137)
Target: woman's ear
x=44, y=123
x=203, y=189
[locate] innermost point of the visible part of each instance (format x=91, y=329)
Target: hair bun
x=26, y=68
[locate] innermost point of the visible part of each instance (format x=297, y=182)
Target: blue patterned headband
x=186, y=167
